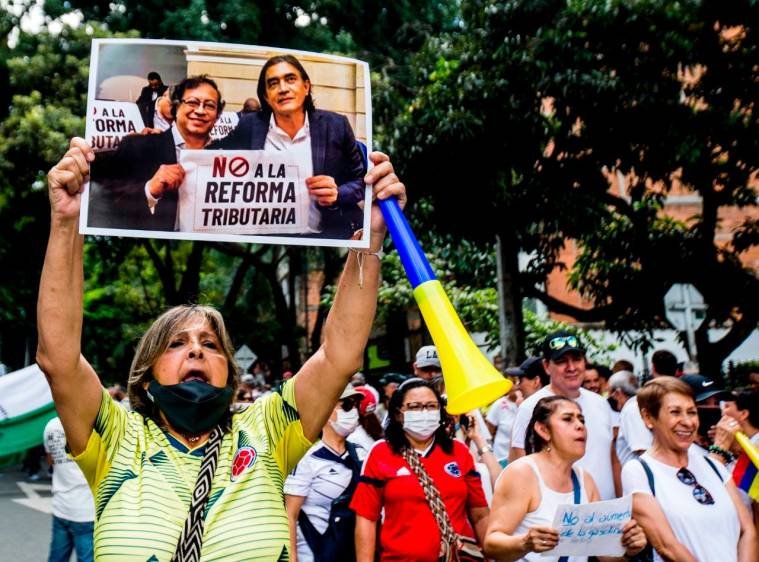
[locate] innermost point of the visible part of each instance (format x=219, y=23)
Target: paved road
x=25, y=518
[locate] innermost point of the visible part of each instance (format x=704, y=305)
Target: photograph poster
x=211, y=141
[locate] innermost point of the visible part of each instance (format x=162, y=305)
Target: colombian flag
x=745, y=473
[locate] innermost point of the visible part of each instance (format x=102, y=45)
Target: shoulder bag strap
x=447, y=534
x=649, y=475
x=191, y=539
x=714, y=467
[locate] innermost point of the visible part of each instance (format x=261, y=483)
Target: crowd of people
x=207, y=463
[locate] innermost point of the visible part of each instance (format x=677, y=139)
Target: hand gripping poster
x=210, y=141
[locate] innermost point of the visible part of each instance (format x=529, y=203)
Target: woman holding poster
x=181, y=478
x=687, y=503
x=530, y=489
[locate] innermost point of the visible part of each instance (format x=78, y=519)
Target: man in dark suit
x=148, y=97
x=288, y=120
x=136, y=186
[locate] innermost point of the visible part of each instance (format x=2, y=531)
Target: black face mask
x=192, y=407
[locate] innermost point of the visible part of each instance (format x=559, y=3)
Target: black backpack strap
x=714, y=468
x=314, y=539
x=649, y=474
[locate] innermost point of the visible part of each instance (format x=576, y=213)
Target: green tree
x=533, y=104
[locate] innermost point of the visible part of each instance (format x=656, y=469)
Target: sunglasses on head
x=560, y=342
x=701, y=494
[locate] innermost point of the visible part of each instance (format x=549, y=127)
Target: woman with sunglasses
x=686, y=503
x=416, y=434
x=318, y=491
x=531, y=488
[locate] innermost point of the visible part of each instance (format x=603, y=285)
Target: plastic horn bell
x=471, y=380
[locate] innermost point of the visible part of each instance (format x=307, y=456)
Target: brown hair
x=156, y=340
x=544, y=409
x=651, y=396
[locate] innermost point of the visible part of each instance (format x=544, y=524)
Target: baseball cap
x=427, y=357
x=351, y=392
x=559, y=343
x=703, y=387
x=247, y=378
x=397, y=378
x=369, y=402
x=531, y=367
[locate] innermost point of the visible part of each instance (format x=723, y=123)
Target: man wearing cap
x=427, y=364
x=503, y=412
x=531, y=376
x=564, y=361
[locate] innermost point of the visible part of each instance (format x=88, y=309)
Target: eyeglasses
x=561, y=342
x=701, y=494
x=421, y=406
x=348, y=404
x=196, y=103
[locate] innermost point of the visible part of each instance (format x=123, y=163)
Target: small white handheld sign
x=591, y=529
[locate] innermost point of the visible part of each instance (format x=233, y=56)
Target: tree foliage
x=128, y=282
x=531, y=108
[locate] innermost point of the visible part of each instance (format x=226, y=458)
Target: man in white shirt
x=634, y=437
x=564, y=361
x=73, y=505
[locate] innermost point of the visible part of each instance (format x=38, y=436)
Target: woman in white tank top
x=529, y=490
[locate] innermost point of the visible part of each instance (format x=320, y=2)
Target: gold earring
x=548, y=446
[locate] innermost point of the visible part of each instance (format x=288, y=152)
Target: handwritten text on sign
x=593, y=529
x=242, y=192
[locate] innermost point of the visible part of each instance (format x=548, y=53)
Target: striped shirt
x=143, y=480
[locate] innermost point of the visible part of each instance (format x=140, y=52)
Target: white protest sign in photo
x=592, y=529
x=110, y=122
x=243, y=192
x=225, y=125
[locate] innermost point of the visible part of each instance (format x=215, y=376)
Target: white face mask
x=421, y=425
x=346, y=422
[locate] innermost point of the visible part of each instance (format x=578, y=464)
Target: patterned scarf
x=449, y=538
x=191, y=539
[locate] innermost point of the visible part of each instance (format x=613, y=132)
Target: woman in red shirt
x=409, y=531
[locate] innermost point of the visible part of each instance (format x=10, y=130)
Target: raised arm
x=75, y=386
x=326, y=373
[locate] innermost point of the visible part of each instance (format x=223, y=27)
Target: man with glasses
x=564, y=361
x=137, y=186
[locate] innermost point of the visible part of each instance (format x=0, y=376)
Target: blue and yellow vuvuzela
x=471, y=380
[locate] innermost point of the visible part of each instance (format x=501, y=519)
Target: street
x=25, y=519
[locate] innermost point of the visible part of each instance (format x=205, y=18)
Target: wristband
x=727, y=455
x=360, y=255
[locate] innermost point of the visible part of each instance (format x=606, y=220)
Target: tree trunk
x=510, y=315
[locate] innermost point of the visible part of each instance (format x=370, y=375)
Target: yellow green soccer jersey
x=143, y=479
